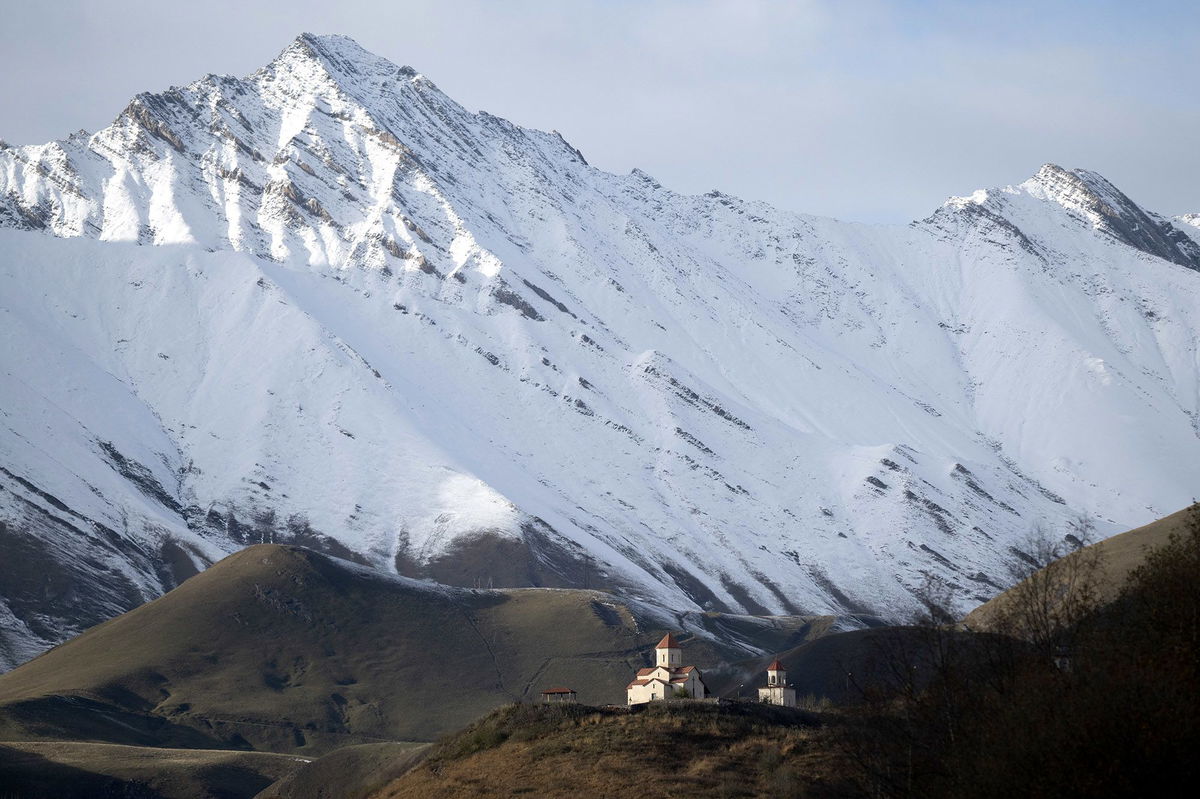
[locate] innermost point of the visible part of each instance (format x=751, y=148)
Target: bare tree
x=1058, y=587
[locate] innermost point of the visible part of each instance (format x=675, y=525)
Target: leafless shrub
x=1058, y=588
x=999, y=715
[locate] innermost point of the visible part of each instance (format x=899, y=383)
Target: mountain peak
x=341, y=52
x=1091, y=197
x=1079, y=188
x=332, y=43
x=335, y=57
x=365, y=282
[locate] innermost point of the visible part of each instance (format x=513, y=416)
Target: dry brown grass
x=351, y=772
x=678, y=749
x=72, y=770
x=1106, y=566
x=285, y=650
x=1095, y=702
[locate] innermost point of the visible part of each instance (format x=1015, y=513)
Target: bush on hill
x=1100, y=701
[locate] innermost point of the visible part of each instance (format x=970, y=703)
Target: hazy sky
x=860, y=109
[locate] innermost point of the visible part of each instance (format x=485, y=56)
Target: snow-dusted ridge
x=378, y=323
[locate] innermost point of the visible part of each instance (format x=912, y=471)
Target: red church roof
x=776, y=666
x=668, y=642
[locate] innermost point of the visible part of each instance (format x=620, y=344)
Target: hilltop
x=685, y=748
x=394, y=680
x=283, y=649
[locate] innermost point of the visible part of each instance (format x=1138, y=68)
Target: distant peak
x=646, y=177
x=328, y=50
x=333, y=45
x=340, y=58
x=1060, y=183
x=1091, y=199
x=1090, y=196
x=328, y=40
x=1050, y=171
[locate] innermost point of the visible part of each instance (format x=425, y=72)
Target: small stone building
x=777, y=691
x=559, y=696
x=668, y=678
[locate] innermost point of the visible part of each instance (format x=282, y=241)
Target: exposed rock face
x=325, y=304
x=1109, y=211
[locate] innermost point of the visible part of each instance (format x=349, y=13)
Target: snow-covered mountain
x=325, y=303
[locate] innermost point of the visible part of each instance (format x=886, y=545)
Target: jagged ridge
x=440, y=343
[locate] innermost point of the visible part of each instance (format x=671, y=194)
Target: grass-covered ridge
x=667, y=749
x=1098, y=701
x=282, y=649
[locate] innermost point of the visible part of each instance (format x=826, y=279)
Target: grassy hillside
x=89, y=770
x=991, y=716
x=352, y=772
x=1100, y=700
x=838, y=669
x=668, y=749
x=281, y=649
x=1115, y=559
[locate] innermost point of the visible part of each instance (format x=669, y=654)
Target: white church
x=777, y=691
x=668, y=678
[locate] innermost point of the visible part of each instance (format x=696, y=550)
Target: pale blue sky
x=860, y=109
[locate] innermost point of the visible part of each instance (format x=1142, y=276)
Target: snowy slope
x=326, y=303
